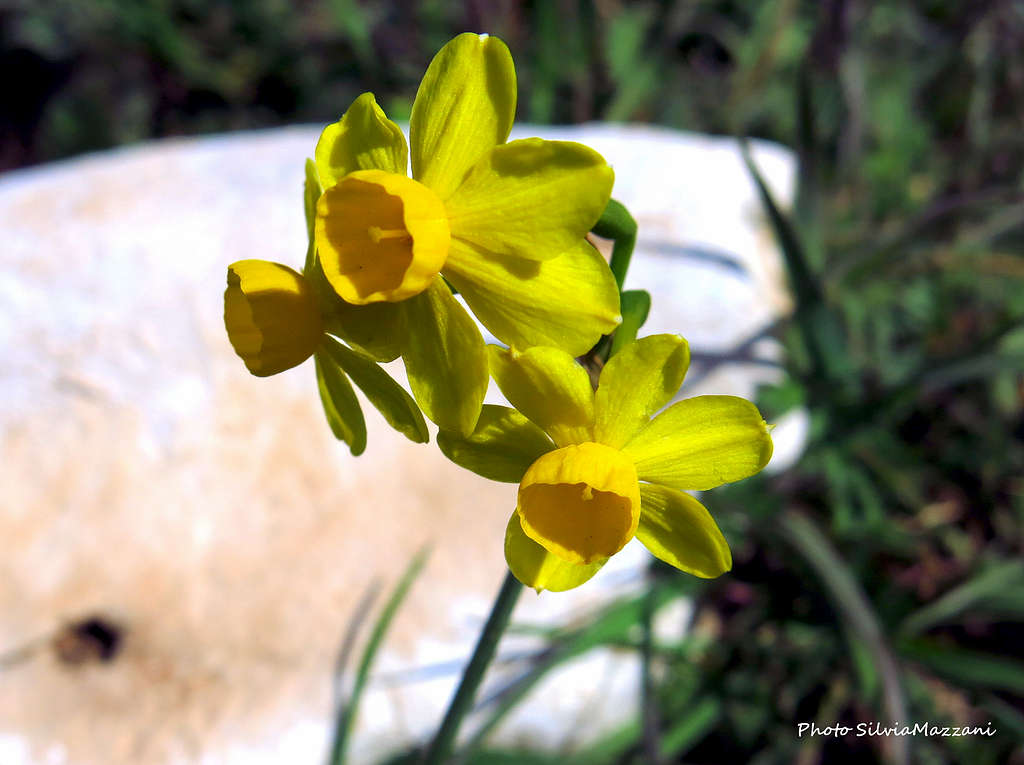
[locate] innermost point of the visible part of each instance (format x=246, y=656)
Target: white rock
x=148, y=477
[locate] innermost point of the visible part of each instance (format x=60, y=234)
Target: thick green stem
x=618, y=225
x=441, y=747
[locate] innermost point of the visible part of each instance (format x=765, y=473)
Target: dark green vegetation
x=880, y=578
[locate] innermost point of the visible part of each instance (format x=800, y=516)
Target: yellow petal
x=701, y=443
x=535, y=567
x=503, y=445
x=580, y=502
x=464, y=107
x=363, y=139
x=679, y=530
x=445, y=359
x=271, y=316
x=549, y=387
x=534, y=199
x=567, y=302
x=635, y=383
x=380, y=236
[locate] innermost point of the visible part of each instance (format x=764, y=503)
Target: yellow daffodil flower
x=276, y=318
x=594, y=469
x=503, y=223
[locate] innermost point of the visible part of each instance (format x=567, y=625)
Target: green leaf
x=614, y=625
x=698, y=721
x=346, y=715
x=980, y=590
x=390, y=399
x=340, y=405
x=970, y=668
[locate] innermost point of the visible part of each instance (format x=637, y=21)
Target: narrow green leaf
x=698, y=721
x=847, y=596
x=611, y=747
x=347, y=713
x=390, y=399
x=806, y=288
x=1006, y=716
x=970, y=668
x=976, y=592
x=613, y=625
x=340, y=405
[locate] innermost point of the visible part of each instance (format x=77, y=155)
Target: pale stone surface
x=147, y=476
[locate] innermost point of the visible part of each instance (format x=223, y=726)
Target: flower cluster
x=504, y=224
x=594, y=469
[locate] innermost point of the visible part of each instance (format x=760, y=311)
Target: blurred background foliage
x=882, y=577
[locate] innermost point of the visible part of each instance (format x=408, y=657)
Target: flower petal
x=531, y=198
x=581, y=502
x=340, y=405
x=536, y=567
x=271, y=316
x=549, y=388
x=567, y=302
x=390, y=399
x=503, y=445
x=377, y=329
x=679, y=530
x=701, y=443
x=363, y=139
x=445, y=359
x=635, y=383
x=464, y=107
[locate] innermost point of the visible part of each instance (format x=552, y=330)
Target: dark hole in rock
x=92, y=639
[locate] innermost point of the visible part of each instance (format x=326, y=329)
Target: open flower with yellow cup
x=596, y=468
x=502, y=223
x=276, y=318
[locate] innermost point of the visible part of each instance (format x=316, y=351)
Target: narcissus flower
x=594, y=469
x=276, y=318
x=503, y=223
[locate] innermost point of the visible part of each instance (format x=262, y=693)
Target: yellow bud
x=580, y=502
x=381, y=236
x=271, y=315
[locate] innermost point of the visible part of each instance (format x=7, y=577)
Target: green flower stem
x=618, y=225
x=440, y=748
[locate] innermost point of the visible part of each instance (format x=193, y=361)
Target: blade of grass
x=441, y=746
x=820, y=331
x=348, y=644
x=1008, y=575
x=613, y=625
x=698, y=721
x=346, y=715
x=970, y=668
x=852, y=604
